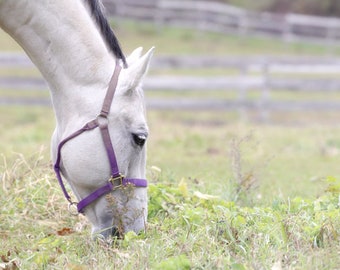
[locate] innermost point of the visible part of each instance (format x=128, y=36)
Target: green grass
x=202, y=144
x=197, y=145
x=8, y=44
x=187, y=229
x=20, y=72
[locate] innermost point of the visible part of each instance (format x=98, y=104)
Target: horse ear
x=134, y=56
x=134, y=74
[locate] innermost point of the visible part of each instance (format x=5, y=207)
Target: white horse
x=77, y=59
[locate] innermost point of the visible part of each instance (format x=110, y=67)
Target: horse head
x=77, y=52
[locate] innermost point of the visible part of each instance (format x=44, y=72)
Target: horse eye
x=139, y=139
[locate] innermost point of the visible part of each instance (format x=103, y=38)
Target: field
x=224, y=194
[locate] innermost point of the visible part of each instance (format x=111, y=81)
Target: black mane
x=107, y=33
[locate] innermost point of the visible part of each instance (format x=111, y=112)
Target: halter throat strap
x=116, y=180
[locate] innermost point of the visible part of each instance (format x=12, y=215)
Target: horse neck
x=63, y=42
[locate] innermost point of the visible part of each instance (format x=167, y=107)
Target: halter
x=116, y=180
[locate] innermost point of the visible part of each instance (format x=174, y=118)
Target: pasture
x=225, y=193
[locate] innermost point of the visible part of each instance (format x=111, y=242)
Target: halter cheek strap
x=116, y=180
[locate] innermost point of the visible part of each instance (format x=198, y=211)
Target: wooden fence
x=220, y=17
x=243, y=76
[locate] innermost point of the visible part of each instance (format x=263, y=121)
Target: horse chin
x=107, y=234
x=115, y=232
x=125, y=215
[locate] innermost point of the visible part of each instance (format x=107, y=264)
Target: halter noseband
x=116, y=180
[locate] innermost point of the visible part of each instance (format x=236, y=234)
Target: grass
x=196, y=146
x=225, y=193
x=287, y=234
x=202, y=142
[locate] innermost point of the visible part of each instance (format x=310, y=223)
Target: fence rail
x=224, y=18
x=253, y=74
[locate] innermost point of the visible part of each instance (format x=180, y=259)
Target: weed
x=241, y=187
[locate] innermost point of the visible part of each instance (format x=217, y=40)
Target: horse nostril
x=116, y=233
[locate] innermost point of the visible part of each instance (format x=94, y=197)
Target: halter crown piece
x=116, y=180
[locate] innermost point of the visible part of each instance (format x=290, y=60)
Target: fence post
x=242, y=94
x=265, y=94
x=331, y=34
x=159, y=16
x=243, y=25
x=287, y=33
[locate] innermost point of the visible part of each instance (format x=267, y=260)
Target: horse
x=99, y=142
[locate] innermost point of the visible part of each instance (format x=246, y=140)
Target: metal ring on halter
x=117, y=181
x=73, y=209
x=102, y=120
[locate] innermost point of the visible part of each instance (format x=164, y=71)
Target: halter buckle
x=117, y=181
x=72, y=208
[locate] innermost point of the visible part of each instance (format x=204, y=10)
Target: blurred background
x=262, y=56
x=238, y=91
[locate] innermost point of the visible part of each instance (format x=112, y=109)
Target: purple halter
x=116, y=180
